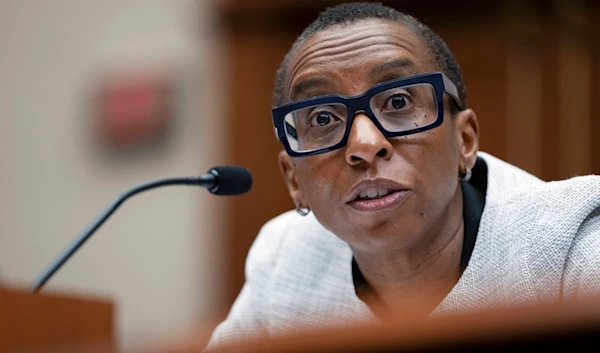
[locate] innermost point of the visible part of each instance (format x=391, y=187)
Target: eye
x=324, y=116
x=397, y=102
x=321, y=119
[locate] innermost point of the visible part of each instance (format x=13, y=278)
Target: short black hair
x=349, y=13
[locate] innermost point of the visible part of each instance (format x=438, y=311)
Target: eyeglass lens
x=397, y=109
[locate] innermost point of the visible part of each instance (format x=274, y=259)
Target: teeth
x=383, y=192
x=372, y=193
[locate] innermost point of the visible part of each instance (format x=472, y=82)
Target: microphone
x=227, y=180
x=222, y=180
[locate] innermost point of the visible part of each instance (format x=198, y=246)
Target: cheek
x=435, y=163
x=443, y=166
x=315, y=181
x=323, y=182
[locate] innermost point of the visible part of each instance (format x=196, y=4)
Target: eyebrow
x=390, y=69
x=302, y=88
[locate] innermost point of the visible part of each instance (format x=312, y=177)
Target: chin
x=384, y=244
x=381, y=236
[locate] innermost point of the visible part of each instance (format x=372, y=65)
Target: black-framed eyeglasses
x=398, y=107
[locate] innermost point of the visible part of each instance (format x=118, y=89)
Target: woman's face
x=377, y=194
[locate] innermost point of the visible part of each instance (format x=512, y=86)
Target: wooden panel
x=575, y=83
x=543, y=328
x=593, y=36
x=524, y=89
x=551, y=97
x=476, y=36
x=564, y=327
x=257, y=10
x=45, y=322
x=297, y=14
x=255, y=56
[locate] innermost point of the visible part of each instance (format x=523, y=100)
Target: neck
x=424, y=273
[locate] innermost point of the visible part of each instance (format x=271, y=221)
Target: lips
x=376, y=194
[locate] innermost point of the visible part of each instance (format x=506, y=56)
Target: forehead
x=363, y=52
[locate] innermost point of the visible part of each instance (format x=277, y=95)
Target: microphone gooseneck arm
x=208, y=180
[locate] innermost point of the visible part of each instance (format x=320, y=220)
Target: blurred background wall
x=157, y=257
x=174, y=257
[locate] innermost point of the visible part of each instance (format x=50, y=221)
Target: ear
x=288, y=169
x=467, y=135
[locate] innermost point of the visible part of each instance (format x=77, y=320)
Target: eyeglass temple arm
x=450, y=88
x=277, y=134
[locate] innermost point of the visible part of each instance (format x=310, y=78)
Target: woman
x=394, y=199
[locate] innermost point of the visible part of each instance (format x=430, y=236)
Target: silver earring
x=302, y=211
x=466, y=176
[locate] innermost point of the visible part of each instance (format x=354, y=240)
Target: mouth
x=376, y=195
x=372, y=194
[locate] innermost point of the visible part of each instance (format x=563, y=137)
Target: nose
x=366, y=143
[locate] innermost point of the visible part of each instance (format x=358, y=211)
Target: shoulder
x=582, y=272
x=533, y=236
x=291, y=223
x=291, y=236
x=516, y=191
x=506, y=178
x=543, y=219
x=548, y=225
x=288, y=226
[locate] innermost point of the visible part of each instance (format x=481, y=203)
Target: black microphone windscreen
x=231, y=180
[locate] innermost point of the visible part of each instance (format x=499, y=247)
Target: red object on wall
x=133, y=110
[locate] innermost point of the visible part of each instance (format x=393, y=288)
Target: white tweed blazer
x=536, y=240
